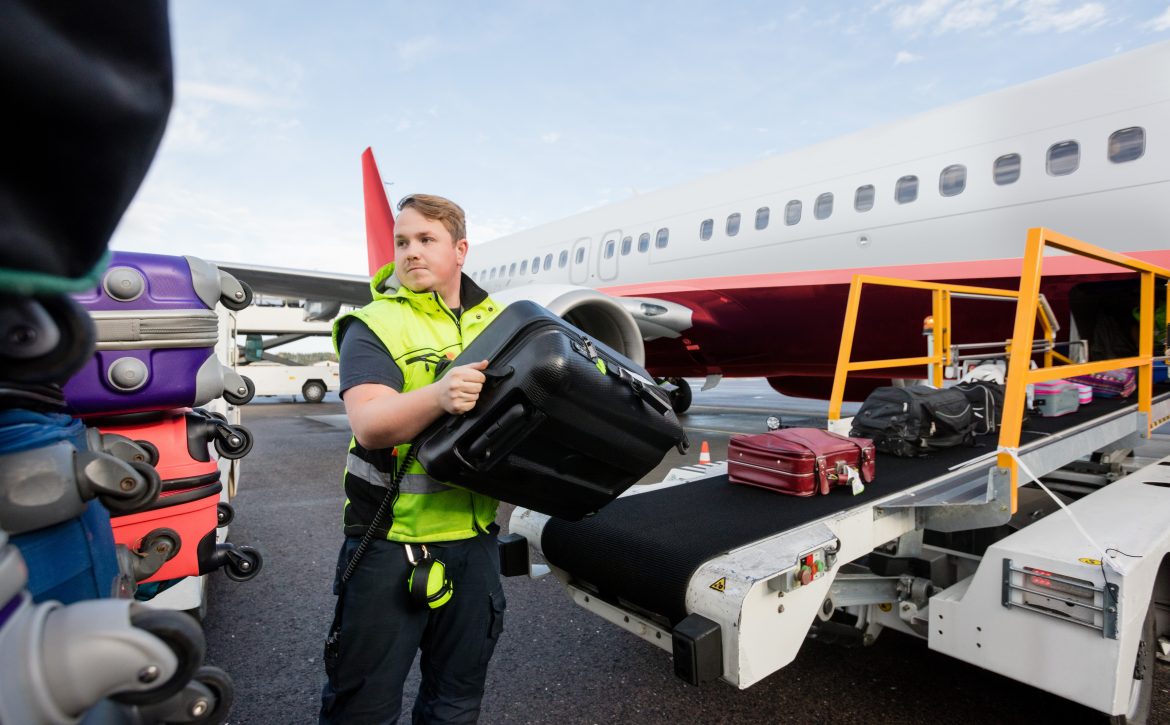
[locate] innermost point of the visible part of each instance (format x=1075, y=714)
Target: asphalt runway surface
x=555, y=662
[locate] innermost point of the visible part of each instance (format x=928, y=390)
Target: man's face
x=425, y=258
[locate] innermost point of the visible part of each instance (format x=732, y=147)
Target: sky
x=526, y=112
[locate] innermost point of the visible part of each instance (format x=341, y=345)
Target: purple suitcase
x=156, y=335
x=1118, y=383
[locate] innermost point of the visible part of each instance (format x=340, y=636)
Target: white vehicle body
x=311, y=382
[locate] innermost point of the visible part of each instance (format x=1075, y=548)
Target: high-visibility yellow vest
x=419, y=330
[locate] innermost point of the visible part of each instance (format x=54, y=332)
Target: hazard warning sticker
x=1090, y=562
x=720, y=585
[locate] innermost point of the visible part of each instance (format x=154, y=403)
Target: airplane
x=745, y=273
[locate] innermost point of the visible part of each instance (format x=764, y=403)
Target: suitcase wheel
x=236, y=399
x=157, y=548
x=243, y=563
x=235, y=305
x=223, y=695
x=183, y=635
x=151, y=451
x=142, y=499
x=47, y=339
x=235, y=444
x=225, y=514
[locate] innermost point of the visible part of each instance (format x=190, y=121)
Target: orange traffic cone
x=704, y=453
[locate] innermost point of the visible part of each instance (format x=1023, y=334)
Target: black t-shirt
x=364, y=359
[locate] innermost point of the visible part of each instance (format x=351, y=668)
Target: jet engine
x=601, y=316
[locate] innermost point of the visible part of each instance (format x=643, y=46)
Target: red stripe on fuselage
x=983, y=269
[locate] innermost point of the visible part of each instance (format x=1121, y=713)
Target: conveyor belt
x=643, y=549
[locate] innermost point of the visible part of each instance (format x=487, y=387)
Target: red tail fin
x=379, y=218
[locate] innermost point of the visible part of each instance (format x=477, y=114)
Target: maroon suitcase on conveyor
x=798, y=461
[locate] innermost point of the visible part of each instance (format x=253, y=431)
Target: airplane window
x=627, y=243
x=823, y=208
x=706, y=228
x=643, y=242
x=512, y=270
x=906, y=190
x=535, y=265
x=610, y=246
x=792, y=212
x=662, y=238
x=547, y=262
x=580, y=255
x=1063, y=158
x=1128, y=144
x=733, y=225
x=563, y=259
x=762, y=215
x=493, y=272
x=524, y=267
x=863, y=198
x=503, y=270
x=952, y=180
x=1007, y=169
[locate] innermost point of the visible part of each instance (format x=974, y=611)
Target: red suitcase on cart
x=799, y=461
x=188, y=517
x=179, y=440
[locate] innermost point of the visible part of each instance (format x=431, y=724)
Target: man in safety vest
x=425, y=310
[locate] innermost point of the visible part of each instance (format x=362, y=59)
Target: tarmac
x=555, y=662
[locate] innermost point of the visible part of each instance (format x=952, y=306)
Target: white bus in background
x=311, y=382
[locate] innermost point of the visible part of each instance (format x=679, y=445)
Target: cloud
x=916, y=17
x=550, y=137
x=225, y=95
x=1042, y=16
x=970, y=15
x=413, y=51
x=904, y=56
x=1160, y=23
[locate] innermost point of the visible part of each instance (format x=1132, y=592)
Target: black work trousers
x=382, y=630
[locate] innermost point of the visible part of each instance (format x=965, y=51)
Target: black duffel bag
x=911, y=421
x=563, y=425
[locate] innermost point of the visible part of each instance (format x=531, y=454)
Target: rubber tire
x=149, y=540
x=151, y=451
x=1146, y=659
x=185, y=638
x=313, y=392
x=73, y=351
x=122, y=506
x=246, y=397
x=232, y=454
x=221, y=685
x=681, y=396
x=224, y=514
x=234, y=306
x=236, y=575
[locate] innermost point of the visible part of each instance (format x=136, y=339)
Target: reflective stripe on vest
x=411, y=482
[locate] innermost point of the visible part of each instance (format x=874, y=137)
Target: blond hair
x=436, y=208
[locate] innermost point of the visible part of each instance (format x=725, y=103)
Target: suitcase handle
x=498, y=374
x=498, y=439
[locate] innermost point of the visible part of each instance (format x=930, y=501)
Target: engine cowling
x=601, y=316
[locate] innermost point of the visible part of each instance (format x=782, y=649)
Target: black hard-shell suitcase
x=563, y=425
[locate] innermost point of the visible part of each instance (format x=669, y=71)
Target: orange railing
x=1029, y=309
x=1019, y=375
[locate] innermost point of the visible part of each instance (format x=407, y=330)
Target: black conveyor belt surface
x=643, y=549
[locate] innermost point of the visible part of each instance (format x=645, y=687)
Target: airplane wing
x=296, y=284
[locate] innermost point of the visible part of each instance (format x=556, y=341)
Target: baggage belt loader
x=960, y=548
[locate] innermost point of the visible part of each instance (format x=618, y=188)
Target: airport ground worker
x=424, y=310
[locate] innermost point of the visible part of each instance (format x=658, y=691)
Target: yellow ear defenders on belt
x=428, y=583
